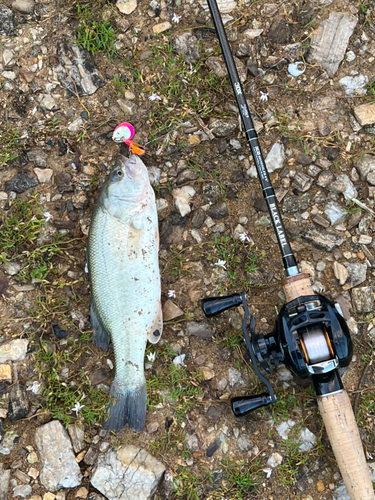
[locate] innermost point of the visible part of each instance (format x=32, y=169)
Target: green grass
x=172, y=385
x=243, y=478
x=9, y=142
x=293, y=459
x=94, y=35
x=60, y=395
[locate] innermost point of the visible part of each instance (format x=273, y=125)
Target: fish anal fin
x=100, y=337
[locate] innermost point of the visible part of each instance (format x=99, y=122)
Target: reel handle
x=212, y=306
x=244, y=404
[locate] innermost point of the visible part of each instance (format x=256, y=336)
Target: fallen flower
x=268, y=472
x=34, y=387
x=77, y=408
x=221, y=263
x=154, y=97
x=244, y=237
x=48, y=216
x=172, y=294
x=263, y=96
x=151, y=356
x=176, y=18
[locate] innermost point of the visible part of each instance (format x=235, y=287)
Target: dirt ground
x=189, y=409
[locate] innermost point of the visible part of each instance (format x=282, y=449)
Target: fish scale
x=125, y=284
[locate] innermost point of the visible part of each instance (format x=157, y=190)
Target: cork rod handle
x=343, y=434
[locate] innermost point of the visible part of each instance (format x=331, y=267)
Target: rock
x=20, y=183
x=7, y=443
x=4, y=482
x=335, y=212
x=5, y=373
x=187, y=175
x=218, y=66
x=221, y=127
x=357, y=273
x=171, y=311
x=128, y=107
x=187, y=44
x=275, y=157
x=43, y=174
x=325, y=179
x=198, y=218
x=296, y=203
x=77, y=434
x=318, y=219
x=213, y=413
x=275, y=460
x=6, y=21
x=225, y=6
x=302, y=182
x=38, y=157
x=284, y=428
x=212, y=192
x=182, y=197
x=126, y=6
x=81, y=492
x=24, y=6
x=14, y=350
x=130, y=466
x=76, y=71
x=366, y=165
x=12, y=268
x=63, y=180
x=365, y=114
x=343, y=185
x=235, y=378
x=59, y=467
x=244, y=444
x=283, y=374
x=219, y=211
x=208, y=373
x=340, y=272
x=161, y=27
x=363, y=300
x=323, y=239
x=213, y=447
x=243, y=50
x=18, y=402
x=329, y=42
x=76, y=125
x=8, y=58
x=307, y=438
x=202, y=330
x=23, y=491
x=46, y=101
x=331, y=152
x=323, y=128
x=281, y=32
x=355, y=85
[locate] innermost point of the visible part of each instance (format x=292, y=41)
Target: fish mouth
x=131, y=166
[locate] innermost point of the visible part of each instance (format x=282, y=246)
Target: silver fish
x=122, y=253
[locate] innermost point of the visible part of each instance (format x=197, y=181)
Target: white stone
x=59, y=466
x=182, y=197
x=275, y=460
x=225, y=6
x=335, y=213
x=365, y=113
x=126, y=6
x=250, y=33
x=14, y=350
x=12, y=268
x=75, y=125
x=275, y=157
x=161, y=27
x=47, y=102
x=308, y=440
x=355, y=85
x=8, y=57
x=9, y=75
x=341, y=273
x=284, y=428
x=127, y=473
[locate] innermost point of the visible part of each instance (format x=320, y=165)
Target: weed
x=93, y=35
x=293, y=458
x=62, y=393
x=187, y=484
x=176, y=385
x=371, y=88
x=242, y=477
x=10, y=139
x=119, y=84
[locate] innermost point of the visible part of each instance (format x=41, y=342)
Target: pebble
x=363, y=300
x=235, y=378
x=202, y=330
x=187, y=44
x=22, y=491
x=340, y=272
x=128, y=107
x=43, y=175
x=76, y=125
x=355, y=85
x=126, y=6
x=5, y=373
x=20, y=182
x=12, y=268
x=275, y=460
x=335, y=213
x=357, y=273
x=244, y=444
x=365, y=114
x=161, y=27
x=14, y=350
x=6, y=20
x=182, y=198
x=7, y=444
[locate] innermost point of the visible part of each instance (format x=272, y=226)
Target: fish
x=122, y=255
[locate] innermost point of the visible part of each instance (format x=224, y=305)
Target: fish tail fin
x=129, y=408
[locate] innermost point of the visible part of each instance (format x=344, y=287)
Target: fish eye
x=119, y=173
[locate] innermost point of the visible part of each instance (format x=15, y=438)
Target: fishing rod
x=311, y=338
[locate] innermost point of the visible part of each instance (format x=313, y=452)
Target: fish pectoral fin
x=100, y=337
x=156, y=330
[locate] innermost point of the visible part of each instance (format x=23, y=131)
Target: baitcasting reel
x=311, y=339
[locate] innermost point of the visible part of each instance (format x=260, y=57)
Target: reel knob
x=212, y=306
x=244, y=404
